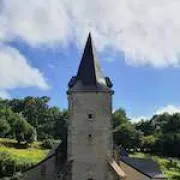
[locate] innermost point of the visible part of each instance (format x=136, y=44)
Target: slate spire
x=89, y=73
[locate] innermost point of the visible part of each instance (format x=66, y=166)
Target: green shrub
x=47, y=143
x=17, y=176
x=7, y=164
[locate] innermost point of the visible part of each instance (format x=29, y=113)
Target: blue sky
x=138, y=45
x=141, y=90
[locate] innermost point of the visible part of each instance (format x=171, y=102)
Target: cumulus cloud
x=171, y=109
x=4, y=94
x=36, y=22
x=139, y=118
x=15, y=72
x=147, y=32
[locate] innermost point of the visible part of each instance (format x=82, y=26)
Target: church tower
x=90, y=154
x=90, y=141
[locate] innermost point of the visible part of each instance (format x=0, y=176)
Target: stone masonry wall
x=89, y=134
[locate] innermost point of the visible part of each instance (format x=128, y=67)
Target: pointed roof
x=89, y=73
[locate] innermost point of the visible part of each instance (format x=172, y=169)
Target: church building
x=90, y=147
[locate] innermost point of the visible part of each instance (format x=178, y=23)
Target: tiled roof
x=145, y=166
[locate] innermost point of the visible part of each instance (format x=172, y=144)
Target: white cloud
x=52, y=66
x=138, y=118
x=4, y=95
x=15, y=72
x=146, y=31
x=171, y=109
x=36, y=22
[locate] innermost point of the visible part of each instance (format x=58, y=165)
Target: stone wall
x=43, y=171
x=90, y=139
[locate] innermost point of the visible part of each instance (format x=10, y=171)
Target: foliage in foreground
x=17, y=176
x=13, y=160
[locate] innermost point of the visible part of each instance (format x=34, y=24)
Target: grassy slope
x=173, y=172
x=35, y=154
x=32, y=154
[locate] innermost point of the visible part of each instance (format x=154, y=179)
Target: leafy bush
x=47, y=143
x=4, y=127
x=17, y=176
x=7, y=164
x=31, y=134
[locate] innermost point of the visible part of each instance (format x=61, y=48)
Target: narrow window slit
x=90, y=116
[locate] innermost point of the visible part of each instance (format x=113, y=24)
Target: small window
x=90, y=116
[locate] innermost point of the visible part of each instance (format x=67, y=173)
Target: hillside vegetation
x=32, y=119
x=23, y=153
x=17, y=157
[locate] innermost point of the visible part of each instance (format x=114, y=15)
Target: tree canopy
x=33, y=118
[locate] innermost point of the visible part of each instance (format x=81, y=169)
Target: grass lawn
x=21, y=153
x=170, y=168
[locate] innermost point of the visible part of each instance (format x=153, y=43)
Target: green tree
x=146, y=126
x=19, y=127
x=173, y=124
x=160, y=120
x=37, y=113
x=4, y=127
x=125, y=133
x=119, y=117
x=17, y=105
x=149, y=143
x=126, y=136
x=61, y=125
x=170, y=144
x=30, y=135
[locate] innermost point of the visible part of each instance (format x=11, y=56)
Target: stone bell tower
x=90, y=141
